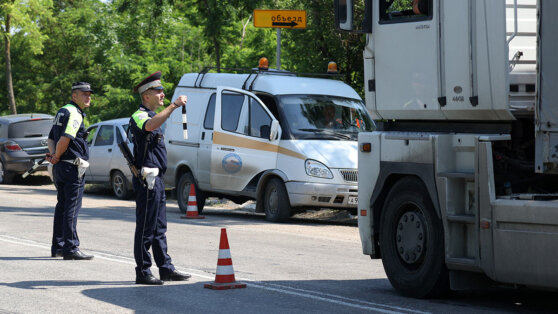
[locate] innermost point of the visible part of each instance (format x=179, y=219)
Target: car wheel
x=412, y=241
x=183, y=193
x=120, y=185
x=6, y=177
x=276, y=201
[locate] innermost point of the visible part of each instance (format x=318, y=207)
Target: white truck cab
x=288, y=142
x=457, y=186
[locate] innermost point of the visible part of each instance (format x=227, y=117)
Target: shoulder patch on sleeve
x=74, y=122
x=140, y=117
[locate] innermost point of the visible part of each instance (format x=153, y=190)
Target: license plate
x=353, y=200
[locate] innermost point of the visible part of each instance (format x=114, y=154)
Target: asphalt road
x=303, y=266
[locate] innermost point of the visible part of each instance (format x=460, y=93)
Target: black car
x=23, y=139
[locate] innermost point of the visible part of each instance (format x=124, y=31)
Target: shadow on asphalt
x=33, y=180
x=192, y=297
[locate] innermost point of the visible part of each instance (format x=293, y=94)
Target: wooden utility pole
x=9, y=84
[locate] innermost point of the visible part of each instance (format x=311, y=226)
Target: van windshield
x=324, y=117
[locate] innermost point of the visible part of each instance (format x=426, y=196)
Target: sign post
x=278, y=50
x=292, y=19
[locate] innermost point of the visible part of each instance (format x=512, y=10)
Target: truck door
x=406, y=81
x=241, y=139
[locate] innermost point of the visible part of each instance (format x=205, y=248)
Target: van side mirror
x=275, y=130
x=344, y=14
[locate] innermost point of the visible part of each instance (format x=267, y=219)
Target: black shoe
x=175, y=275
x=58, y=253
x=77, y=255
x=148, y=280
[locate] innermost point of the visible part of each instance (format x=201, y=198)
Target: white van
x=265, y=136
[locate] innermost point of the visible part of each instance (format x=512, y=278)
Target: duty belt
x=80, y=163
x=71, y=161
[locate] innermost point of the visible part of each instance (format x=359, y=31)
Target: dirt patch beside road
x=324, y=214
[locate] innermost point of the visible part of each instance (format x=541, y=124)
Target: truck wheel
x=183, y=192
x=6, y=177
x=412, y=241
x=120, y=186
x=276, y=201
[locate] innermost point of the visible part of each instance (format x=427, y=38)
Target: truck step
x=458, y=175
x=463, y=261
x=465, y=219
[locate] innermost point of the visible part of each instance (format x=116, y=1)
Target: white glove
x=149, y=175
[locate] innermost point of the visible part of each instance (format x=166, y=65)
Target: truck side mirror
x=345, y=17
x=344, y=14
x=275, y=130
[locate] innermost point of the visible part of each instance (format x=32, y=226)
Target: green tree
x=22, y=18
x=114, y=44
x=310, y=50
x=148, y=37
x=72, y=52
x=224, y=24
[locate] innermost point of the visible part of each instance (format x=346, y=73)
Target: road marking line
x=348, y=299
x=316, y=295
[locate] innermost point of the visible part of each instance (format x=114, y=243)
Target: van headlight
x=317, y=169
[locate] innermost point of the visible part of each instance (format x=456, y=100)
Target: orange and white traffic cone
x=224, y=277
x=192, y=208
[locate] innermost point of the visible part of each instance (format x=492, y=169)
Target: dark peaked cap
x=151, y=82
x=82, y=86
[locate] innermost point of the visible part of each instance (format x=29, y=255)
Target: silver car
x=23, y=140
x=106, y=163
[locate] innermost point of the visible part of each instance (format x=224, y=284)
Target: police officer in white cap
x=68, y=152
x=150, y=155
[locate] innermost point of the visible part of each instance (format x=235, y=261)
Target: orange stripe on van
x=238, y=141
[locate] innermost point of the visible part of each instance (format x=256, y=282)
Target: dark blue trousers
x=151, y=228
x=69, y=194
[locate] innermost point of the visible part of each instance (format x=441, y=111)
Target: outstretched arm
x=162, y=116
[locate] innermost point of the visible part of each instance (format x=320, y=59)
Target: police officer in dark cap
x=150, y=156
x=68, y=153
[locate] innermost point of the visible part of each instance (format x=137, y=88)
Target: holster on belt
x=81, y=164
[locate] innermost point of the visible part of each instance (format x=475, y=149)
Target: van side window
x=231, y=108
x=254, y=120
x=210, y=113
x=260, y=121
x=401, y=11
x=230, y=111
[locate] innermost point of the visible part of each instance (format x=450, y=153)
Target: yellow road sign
x=280, y=18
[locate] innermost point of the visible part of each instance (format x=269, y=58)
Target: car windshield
x=325, y=117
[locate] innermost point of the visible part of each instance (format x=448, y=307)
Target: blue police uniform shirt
x=156, y=154
x=69, y=122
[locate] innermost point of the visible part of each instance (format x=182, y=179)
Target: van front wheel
x=276, y=201
x=183, y=193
